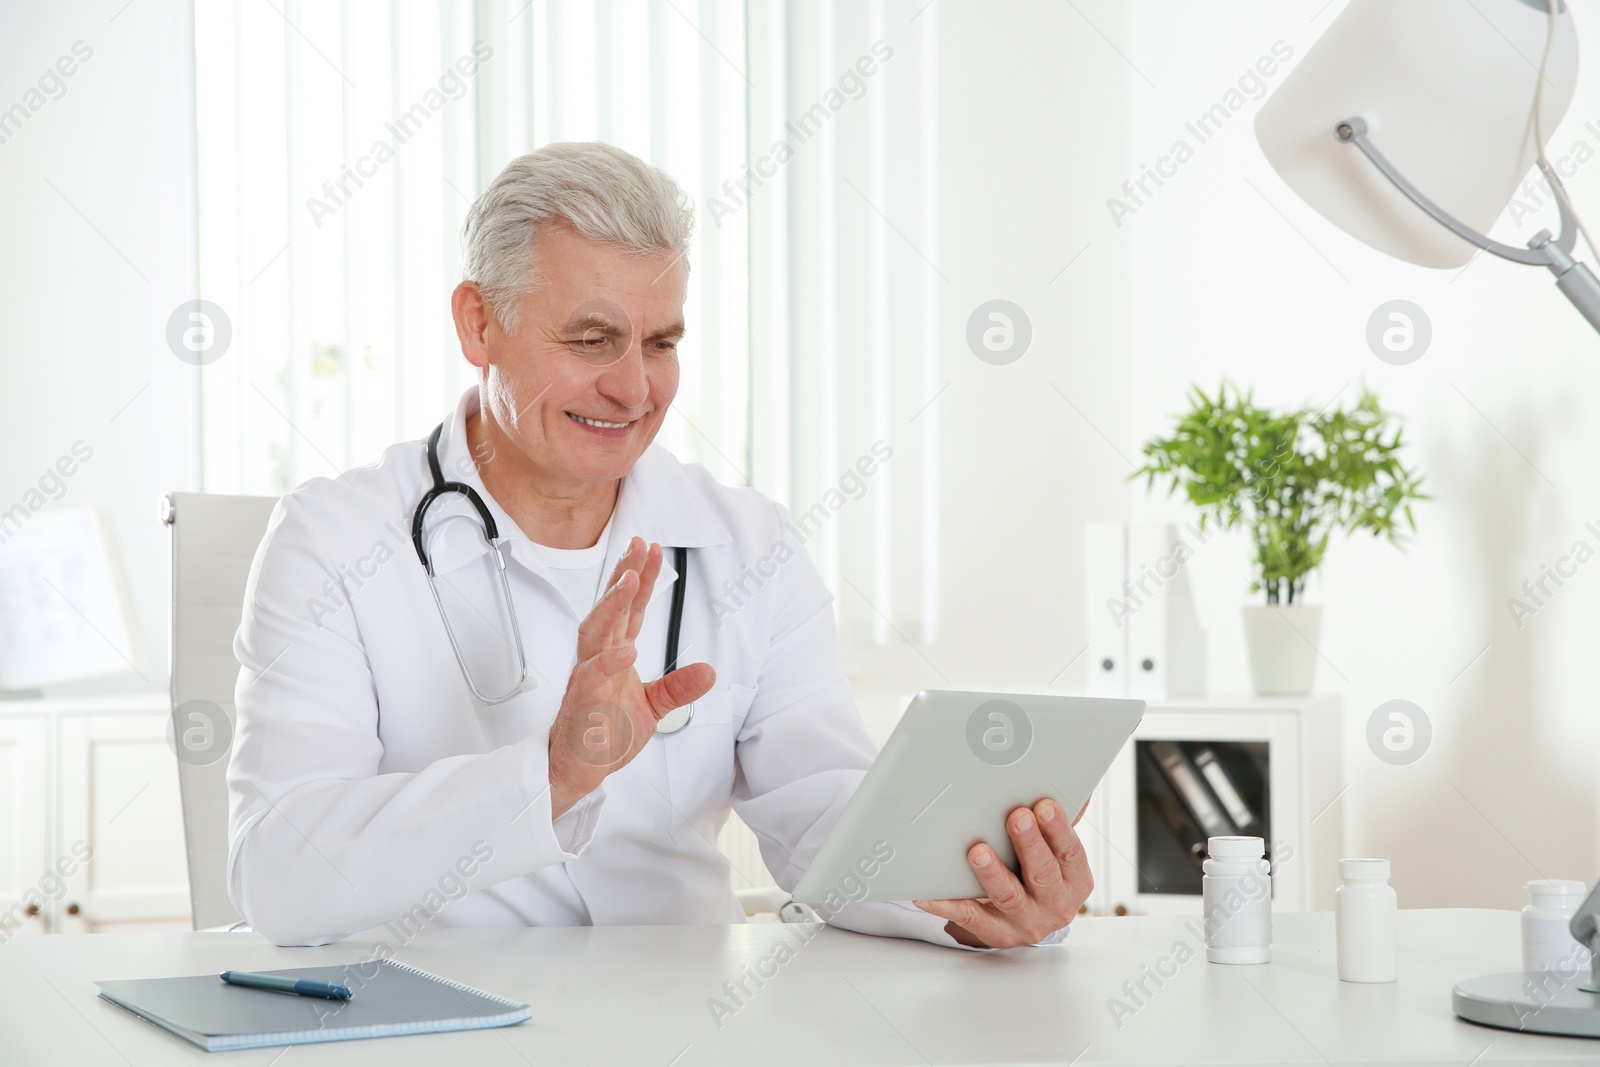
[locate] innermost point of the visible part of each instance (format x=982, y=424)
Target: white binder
x=1106, y=556
x=1142, y=618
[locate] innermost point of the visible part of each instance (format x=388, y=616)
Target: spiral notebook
x=389, y=999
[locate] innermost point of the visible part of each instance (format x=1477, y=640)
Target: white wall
x=1031, y=125
x=1223, y=285
x=98, y=250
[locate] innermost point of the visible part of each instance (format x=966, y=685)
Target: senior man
x=451, y=730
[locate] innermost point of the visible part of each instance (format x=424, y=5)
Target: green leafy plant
x=1290, y=477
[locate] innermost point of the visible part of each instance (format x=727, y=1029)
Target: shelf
x=130, y=704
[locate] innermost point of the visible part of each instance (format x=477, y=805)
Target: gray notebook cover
x=389, y=998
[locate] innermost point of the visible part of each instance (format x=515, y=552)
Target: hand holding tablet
x=1022, y=910
x=966, y=812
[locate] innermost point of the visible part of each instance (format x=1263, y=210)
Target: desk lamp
x=1564, y=1001
x=1410, y=124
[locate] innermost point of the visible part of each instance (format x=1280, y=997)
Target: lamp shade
x=1446, y=88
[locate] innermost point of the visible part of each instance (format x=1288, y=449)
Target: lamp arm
x=1575, y=280
x=1354, y=131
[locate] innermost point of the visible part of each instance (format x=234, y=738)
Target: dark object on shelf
x=1189, y=791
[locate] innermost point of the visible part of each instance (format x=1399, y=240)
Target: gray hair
x=602, y=192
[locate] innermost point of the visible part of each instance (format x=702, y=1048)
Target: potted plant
x=1291, y=478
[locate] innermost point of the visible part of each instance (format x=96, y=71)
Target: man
x=369, y=783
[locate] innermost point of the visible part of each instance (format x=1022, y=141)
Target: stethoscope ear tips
x=529, y=683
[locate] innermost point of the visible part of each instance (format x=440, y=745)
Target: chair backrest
x=214, y=539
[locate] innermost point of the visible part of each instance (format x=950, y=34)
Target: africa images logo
x=999, y=732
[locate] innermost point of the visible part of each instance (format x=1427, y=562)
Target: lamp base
x=1532, y=1002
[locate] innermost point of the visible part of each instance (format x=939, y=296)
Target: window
x=340, y=146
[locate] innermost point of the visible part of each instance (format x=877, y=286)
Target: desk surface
x=643, y=995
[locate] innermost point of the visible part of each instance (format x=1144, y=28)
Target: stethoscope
x=670, y=724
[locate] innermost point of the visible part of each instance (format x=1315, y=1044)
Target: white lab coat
x=367, y=786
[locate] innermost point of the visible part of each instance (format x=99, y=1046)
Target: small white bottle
x=1364, y=909
x=1547, y=943
x=1236, y=894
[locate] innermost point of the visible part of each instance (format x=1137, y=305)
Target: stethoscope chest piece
x=675, y=720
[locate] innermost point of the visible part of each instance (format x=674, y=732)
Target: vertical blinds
x=846, y=299
x=340, y=145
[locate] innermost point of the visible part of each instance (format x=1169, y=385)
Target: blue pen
x=305, y=987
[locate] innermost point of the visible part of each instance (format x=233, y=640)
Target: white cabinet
x=119, y=794
x=24, y=824
x=1286, y=761
x=91, y=825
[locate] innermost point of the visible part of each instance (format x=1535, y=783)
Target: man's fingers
x=959, y=912
x=999, y=884
x=647, y=584
x=972, y=917
x=633, y=559
x=1079, y=817
x=595, y=633
x=1069, y=853
x=628, y=561
x=605, y=664
x=1041, y=874
x=1055, y=880
x=682, y=686
x=625, y=562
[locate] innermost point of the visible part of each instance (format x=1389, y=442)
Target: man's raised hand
x=608, y=713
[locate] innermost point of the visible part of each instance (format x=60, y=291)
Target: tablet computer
x=955, y=766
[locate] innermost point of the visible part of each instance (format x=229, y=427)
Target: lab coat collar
x=659, y=502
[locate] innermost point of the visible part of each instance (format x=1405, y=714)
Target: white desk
x=638, y=995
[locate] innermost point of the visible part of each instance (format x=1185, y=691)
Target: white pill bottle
x=1365, y=911
x=1547, y=943
x=1236, y=894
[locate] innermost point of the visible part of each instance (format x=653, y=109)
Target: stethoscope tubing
x=491, y=532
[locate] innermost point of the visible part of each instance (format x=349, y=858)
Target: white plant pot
x=1282, y=642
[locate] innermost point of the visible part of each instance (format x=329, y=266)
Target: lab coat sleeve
x=321, y=844
x=803, y=749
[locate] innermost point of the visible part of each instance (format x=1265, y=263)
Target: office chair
x=214, y=538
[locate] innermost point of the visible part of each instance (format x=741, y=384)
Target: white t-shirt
x=577, y=571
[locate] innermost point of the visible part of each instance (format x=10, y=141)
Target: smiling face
x=579, y=391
